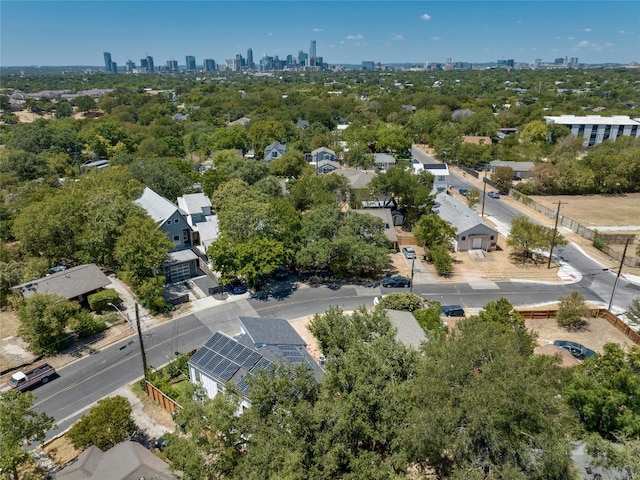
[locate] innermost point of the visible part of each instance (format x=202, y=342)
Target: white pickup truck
x=24, y=381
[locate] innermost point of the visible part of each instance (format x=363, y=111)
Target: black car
x=396, y=282
x=452, y=311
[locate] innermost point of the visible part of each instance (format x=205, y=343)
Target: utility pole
x=615, y=283
x=484, y=191
x=555, y=232
x=413, y=261
x=142, y=353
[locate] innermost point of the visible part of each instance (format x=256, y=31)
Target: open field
x=596, y=210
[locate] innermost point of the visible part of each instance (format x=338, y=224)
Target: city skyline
x=342, y=32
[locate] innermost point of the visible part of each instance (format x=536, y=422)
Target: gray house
x=322, y=153
x=274, y=151
x=327, y=166
x=170, y=219
x=383, y=161
x=386, y=215
x=126, y=461
x=72, y=283
x=262, y=343
x=521, y=170
x=472, y=232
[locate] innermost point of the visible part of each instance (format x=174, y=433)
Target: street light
x=120, y=312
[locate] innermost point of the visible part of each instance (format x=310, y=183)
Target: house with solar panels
x=262, y=343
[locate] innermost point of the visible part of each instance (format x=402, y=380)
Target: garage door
x=476, y=243
x=179, y=272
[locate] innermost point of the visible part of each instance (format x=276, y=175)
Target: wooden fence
x=164, y=401
x=629, y=332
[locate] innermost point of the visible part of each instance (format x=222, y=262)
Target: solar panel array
x=222, y=357
x=292, y=353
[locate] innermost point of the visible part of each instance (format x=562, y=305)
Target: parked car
x=463, y=191
x=396, y=282
x=238, y=287
x=452, y=311
x=578, y=350
x=494, y=194
x=409, y=252
x=376, y=300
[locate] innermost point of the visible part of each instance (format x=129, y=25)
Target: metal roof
x=409, y=331
x=156, y=206
x=194, y=203
x=458, y=214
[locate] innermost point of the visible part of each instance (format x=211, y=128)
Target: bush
x=442, y=260
x=525, y=188
x=100, y=300
x=599, y=244
x=430, y=320
x=408, y=302
x=572, y=312
x=84, y=324
x=151, y=294
x=107, y=424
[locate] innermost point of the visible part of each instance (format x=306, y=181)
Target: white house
x=440, y=172
x=472, y=233
x=274, y=151
x=203, y=222
x=262, y=342
x=322, y=153
x=596, y=129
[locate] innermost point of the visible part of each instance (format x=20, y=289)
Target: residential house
x=327, y=166
x=170, y=219
x=262, y=343
x=440, y=172
x=244, y=121
x=357, y=178
x=72, y=283
x=387, y=216
x=472, y=232
x=302, y=124
x=126, y=461
x=323, y=153
x=410, y=108
x=274, y=151
x=383, y=161
x=521, y=170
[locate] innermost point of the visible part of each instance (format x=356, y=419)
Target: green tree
x=525, y=237
x=484, y=407
x=603, y=392
x=572, y=311
x=291, y=164
x=633, y=310
x=473, y=197
x=140, y=250
x=536, y=131
x=503, y=178
x=43, y=320
x=19, y=423
x=107, y=424
x=411, y=192
x=359, y=156
x=442, y=260
x=63, y=109
x=85, y=103
x=432, y=231
x=503, y=313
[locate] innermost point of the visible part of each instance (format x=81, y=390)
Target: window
x=176, y=238
x=492, y=237
x=464, y=238
x=197, y=375
x=274, y=154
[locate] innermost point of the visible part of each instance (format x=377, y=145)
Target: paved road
x=596, y=280
x=100, y=374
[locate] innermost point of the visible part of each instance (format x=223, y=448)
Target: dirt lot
x=596, y=210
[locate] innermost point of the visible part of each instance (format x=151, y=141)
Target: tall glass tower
x=312, y=49
x=107, y=62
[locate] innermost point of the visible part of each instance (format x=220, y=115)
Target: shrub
x=408, y=302
x=106, y=424
x=572, y=312
x=430, y=320
x=598, y=243
x=84, y=324
x=442, y=260
x=526, y=188
x=100, y=300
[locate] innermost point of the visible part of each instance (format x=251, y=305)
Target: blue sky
x=77, y=32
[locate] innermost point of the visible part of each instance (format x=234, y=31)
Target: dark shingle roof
x=70, y=283
x=270, y=331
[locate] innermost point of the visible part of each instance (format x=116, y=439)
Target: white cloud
x=426, y=17
x=626, y=32
x=435, y=38
x=355, y=37
x=397, y=37
x=608, y=45
x=318, y=29
x=571, y=38
x=587, y=30
x=587, y=45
